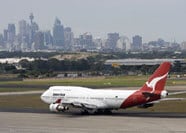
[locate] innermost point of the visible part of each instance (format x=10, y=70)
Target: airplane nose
x=45, y=97
x=42, y=97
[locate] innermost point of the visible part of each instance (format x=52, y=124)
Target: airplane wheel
x=103, y=111
x=107, y=111
x=85, y=112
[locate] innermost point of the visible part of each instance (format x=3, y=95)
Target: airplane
x=89, y=100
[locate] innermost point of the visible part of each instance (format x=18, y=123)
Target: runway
x=73, y=122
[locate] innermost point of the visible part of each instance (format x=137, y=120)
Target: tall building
x=68, y=36
x=11, y=33
x=22, y=27
x=23, y=38
x=137, y=43
x=183, y=46
x=47, y=38
x=98, y=43
x=5, y=35
x=112, y=40
x=86, y=41
x=124, y=44
x=31, y=17
x=58, y=34
x=1, y=40
x=32, y=29
x=38, y=41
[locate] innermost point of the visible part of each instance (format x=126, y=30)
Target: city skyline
x=151, y=19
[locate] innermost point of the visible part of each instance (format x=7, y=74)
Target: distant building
x=5, y=35
x=11, y=33
x=58, y=34
x=123, y=44
x=32, y=29
x=136, y=43
x=140, y=62
x=38, y=41
x=86, y=41
x=76, y=44
x=47, y=38
x=68, y=36
x=112, y=40
x=98, y=43
x=1, y=40
x=183, y=46
x=23, y=38
x=22, y=28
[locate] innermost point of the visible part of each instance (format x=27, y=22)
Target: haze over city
x=152, y=19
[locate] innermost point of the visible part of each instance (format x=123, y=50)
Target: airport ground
x=23, y=112
x=119, y=122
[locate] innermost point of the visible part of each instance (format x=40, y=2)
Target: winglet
x=158, y=79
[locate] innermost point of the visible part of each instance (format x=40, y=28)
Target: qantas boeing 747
x=61, y=98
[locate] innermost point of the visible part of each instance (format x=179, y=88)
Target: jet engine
x=55, y=107
x=164, y=94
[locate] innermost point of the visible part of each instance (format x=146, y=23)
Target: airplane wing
x=176, y=93
x=84, y=104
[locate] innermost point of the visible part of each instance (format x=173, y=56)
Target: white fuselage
x=92, y=98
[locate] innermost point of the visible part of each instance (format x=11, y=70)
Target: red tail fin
x=158, y=79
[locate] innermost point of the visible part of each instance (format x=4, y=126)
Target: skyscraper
x=22, y=27
x=23, y=34
x=5, y=35
x=33, y=28
x=124, y=44
x=112, y=40
x=68, y=35
x=11, y=33
x=38, y=40
x=137, y=43
x=1, y=40
x=58, y=34
x=47, y=38
x=86, y=41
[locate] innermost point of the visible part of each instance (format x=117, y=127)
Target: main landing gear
x=97, y=112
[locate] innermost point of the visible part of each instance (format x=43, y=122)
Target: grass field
x=22, y=101
x=19, y=89
x=92, y=82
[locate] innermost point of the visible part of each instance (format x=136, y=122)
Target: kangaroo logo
x=153, y=83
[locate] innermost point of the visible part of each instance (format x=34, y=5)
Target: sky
x=151, y=19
